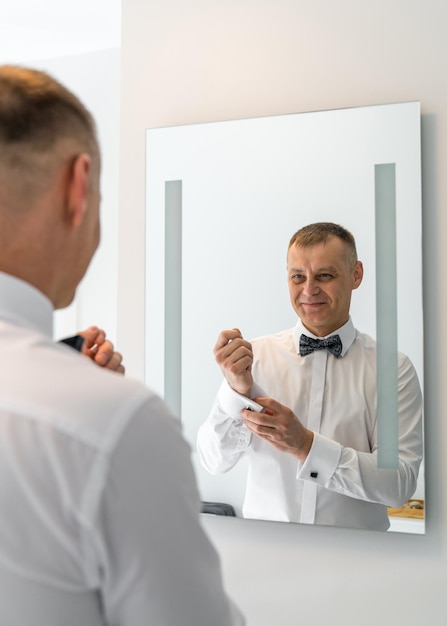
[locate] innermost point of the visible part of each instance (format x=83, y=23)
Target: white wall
x=202, y=60
x=51, y=29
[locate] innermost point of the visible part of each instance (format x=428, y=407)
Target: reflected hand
x=234, y=355
x=278, y=425
x=101, y=350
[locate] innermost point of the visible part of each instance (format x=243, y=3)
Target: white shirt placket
x=309, y=493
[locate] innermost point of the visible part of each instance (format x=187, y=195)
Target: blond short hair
x=37, y=116
x=321, y=232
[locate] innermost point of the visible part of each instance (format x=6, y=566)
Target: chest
x=336, y=397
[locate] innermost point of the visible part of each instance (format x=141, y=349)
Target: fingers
x=101, y=350
x=226, y=336
x=231, y=347
x=234, y=355
x=271, y=405
x=262, y=425
x=93, y=336
x=106, y=356
x=278, y=425
x=228, y=342
x=265, y=421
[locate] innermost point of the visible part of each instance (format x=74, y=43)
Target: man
x=314, y=446
x=99, y=504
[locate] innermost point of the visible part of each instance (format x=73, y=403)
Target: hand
x=234, y=355
x=100, y=349
x=280, y=427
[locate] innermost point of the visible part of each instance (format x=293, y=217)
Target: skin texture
x=321, y=279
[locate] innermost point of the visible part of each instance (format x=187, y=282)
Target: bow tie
x=332, y=344
x=75, y=342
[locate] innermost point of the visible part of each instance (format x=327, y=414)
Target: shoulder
x=368, y=346
x=365, y=341
x=63, y=388
x=282, y=340
x=271, y=350
x=107, y=402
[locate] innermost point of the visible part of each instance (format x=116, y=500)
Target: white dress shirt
x=339, y=483
x=99, y=519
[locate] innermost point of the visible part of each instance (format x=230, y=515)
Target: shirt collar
x=345, y=332
x=24, y=305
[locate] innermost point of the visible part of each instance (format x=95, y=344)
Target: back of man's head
x=49, y=183
x=37, y=116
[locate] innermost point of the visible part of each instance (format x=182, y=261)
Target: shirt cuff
x=322, y=460
x=233, y=402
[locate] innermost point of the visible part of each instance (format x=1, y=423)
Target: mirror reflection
x=223, y=200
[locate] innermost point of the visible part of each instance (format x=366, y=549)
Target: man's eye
x=325, y=277
x=297, y=278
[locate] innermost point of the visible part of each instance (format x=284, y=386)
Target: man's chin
x=314, y=324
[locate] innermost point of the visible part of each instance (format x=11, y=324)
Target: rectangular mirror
x=223, y=200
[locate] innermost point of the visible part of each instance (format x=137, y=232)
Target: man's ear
x=78, y=189
x=357, y=274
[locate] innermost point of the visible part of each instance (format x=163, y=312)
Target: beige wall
x=186, y=61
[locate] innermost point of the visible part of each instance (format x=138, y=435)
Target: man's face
x=321, y=280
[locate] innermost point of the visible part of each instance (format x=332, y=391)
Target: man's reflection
x=311, y=431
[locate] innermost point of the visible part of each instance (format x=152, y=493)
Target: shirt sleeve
x=224, y=437
x=356, y=474
x=157, y=564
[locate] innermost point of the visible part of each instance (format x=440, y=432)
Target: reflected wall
x=223, y=200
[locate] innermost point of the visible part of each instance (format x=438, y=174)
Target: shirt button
x=314, y=474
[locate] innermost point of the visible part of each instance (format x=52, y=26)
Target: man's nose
x=311, y=287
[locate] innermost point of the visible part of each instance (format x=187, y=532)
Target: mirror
x=223, y=200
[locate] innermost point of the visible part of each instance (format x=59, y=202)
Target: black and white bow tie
x=332, y=344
